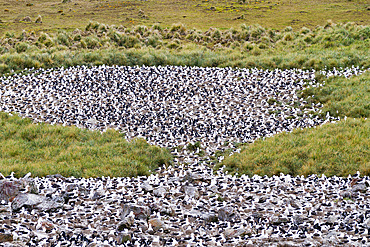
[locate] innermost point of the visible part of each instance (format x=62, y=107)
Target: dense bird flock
x=189, y=206
x=168, y=106
x=182, y=205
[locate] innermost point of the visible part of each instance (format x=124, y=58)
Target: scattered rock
x=210, y=217
x=123, y=238
x=140, y=212
x=11, y=188
x=6, y=237
x=157, y=224
x=125, y=224
x=160, y=191
x=81, y=189
x=35, y=202
x=278, y=220
x=55, y=176
x=147, y=187
x=360, y=187
x=332, y=219
x=193, y=177
x=142, y=226
x=194, y=213
x=346, y=194
x=295, y=204
x=233, y=233
x=96, y=196
x=228, y=214
x=298, y=219
x=163, y=210
x=144, y=218
x=38, y=19
x=367, y=223
x=167, y=210
x=190, y=191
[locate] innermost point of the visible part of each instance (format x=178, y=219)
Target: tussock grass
x=44, y=149
x=340, y=148
x=329, y=46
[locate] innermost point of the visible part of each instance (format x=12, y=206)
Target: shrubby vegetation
x=332, y=45
x=44, y=149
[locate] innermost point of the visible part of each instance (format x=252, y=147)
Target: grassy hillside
x=333, y=149
x=328, y=46
x=44, y=149
x=200, y=14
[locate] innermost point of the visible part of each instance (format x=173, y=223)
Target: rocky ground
x=187, y=204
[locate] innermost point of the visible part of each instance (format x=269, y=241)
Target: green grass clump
x=332, y=149
x=44, y=149
x=342, y=97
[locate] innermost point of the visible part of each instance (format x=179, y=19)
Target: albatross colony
x=168, y=106
x=172, y=106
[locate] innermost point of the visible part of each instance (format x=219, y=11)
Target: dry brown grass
x=200, y=14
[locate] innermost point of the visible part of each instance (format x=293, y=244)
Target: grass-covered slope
x=201, y=14
x=333, y=149
x=44, y=149
x=328, y=46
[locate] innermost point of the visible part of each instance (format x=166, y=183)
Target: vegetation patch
x=325, y=47
x=201, y=14
x=342, y=97
x=332, y=149
x=44, y=149
x=339, y=148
